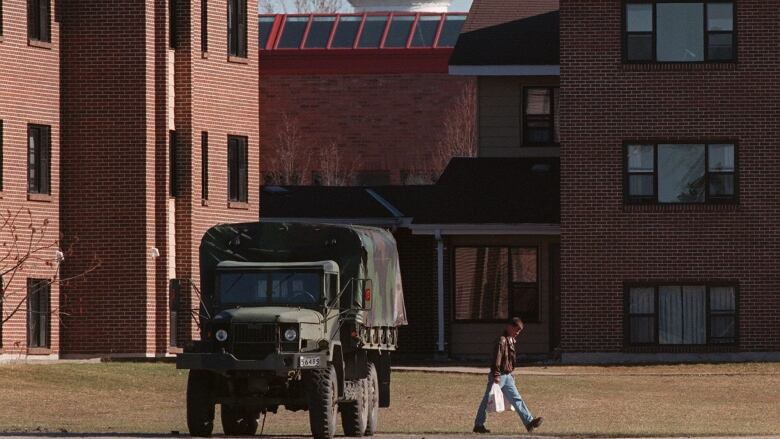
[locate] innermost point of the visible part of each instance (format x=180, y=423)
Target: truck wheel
x=200, y=403
x=354, y=414
x=373, y=400
x=237, y=421
x=322, y=394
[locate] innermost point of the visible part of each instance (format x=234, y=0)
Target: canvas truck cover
x=360, y=252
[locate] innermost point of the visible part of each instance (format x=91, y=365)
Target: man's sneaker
x=480, y=429
x=534, y=424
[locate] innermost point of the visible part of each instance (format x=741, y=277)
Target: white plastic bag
x=496, y=400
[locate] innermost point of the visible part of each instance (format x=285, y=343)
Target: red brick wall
x=604, y=241
x=386, y=122
x=108, y=172
x=29, y=94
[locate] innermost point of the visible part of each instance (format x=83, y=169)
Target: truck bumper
x=273, y=362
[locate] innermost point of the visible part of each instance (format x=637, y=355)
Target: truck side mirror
x=367, y=293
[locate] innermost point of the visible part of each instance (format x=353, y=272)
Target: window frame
x=242, y=189
x=44, y=317
x=524, y=115
x=628, y=286
x=43, y=26
x=237, y=47
x=43, y=158
x=173, y=168
x=2, y=135
x=654, y=33
x=708, y=199
x=510, y=297
x=204, y=26
x=204, y=165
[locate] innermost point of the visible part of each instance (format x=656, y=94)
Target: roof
x=531, y=40
x=489, y=13
x=470, y=191
x=368, y=43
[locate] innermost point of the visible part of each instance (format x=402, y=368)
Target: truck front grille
x=253, y=341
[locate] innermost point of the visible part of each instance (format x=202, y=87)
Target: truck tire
x=200, y=403
x=373, y=400
x=237, y=421
x=322, y=395
x=354, y=414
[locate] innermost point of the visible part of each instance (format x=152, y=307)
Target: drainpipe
x=440, y=289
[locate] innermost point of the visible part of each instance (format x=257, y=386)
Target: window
x=425, y=32
x=540, y=116
x=175, y=297
x=38, y=313
x=173, y=168
x=237, y=28
x=681, y=314
x=237, y=169
x=346, y=32
x=319, y=32
x=679, y=31
x=451, y=30
x=292, y=34
x=204, y=26
x=172, y=24
x=1, y=17
x=681, y=173
x=494, y=283
x=204, y=165
x=398, y=34
x=38, y=154
x=38, y=25
x=373, y=29
x=266, y=25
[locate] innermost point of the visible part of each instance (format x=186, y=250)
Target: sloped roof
x=489, y=13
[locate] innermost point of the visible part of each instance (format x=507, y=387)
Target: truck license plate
x=310, y=361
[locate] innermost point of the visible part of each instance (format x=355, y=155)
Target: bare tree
x=26, y=248
x=334, y=170
x=289, y=162
x=301, y=6
x=459, y=132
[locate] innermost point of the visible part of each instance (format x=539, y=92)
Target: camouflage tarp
x=361, y=252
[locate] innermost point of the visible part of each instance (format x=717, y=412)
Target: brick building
x=131, y=128
x=373, y=86
x=30, y=133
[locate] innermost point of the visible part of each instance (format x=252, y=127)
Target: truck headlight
x=221, y=335
x=291, y=334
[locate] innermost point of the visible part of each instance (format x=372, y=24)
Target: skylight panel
x=266, y=25
x=292, y=33
x=425, y=31
x=373, y=29
x=399, y=31
x=346, y=32
x=319, y=33
x=451, y=30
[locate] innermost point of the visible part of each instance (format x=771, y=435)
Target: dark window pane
x=639, y=47
x=373, y=29
x=641, y=185
x=681, y=173
x=292, y=34
x=539, y=131
x=525, y=302
x=556, y=116
x=538, y=101
x=641, y=158
x=641, y=300
x=481, y=288
x=266, y=25
x=680, y=32
x=681, y=315
x=721, y=158
x=639, y=17
x=204, y=25
x=723, y=328
x=524, y=265
x=722, y=185
x=722, y=299
x=721, y=47
x=425, y=32
x=319, y=32
x=642, y=329
x=346, y=31
x=399, y=31
x=451, y=30
x=720, y=16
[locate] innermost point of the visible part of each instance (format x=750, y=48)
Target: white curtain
x=682, y=315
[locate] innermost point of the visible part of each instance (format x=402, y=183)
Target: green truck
x=303, y=316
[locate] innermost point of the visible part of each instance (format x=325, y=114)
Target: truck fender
x=337, y=359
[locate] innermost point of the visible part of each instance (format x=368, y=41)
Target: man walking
x=501, y=374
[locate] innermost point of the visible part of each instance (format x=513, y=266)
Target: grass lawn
x=622, y=401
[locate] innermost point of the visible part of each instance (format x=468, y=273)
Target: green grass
x=688, y=400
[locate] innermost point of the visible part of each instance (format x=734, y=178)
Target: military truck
x=303, y=316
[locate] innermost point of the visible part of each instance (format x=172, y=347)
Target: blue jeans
x=507, y=383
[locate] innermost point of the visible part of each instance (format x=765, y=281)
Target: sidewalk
x=737, y=369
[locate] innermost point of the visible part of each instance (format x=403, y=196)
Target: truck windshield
x=264, y=288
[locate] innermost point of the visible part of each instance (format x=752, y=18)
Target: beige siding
x=500, y=116
x=476, y=339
